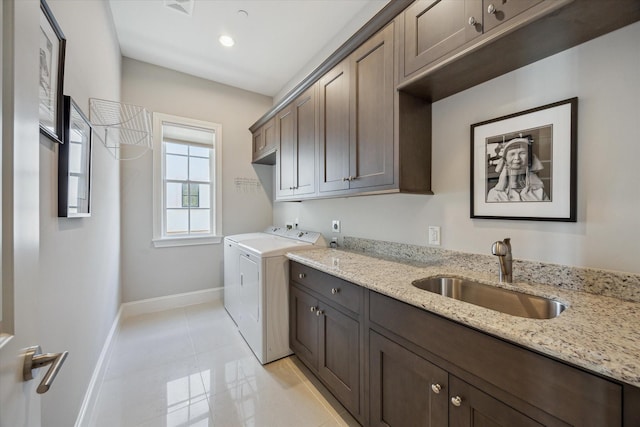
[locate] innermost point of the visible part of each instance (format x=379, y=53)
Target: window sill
x=169, y=242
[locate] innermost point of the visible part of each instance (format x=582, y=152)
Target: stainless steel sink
x=492, y=297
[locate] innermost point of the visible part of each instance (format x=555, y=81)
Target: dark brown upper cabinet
x=436, y=28
x=297, y=135
x=362, y=149
x=356, y=117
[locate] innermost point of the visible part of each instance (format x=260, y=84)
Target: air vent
x=184, y=6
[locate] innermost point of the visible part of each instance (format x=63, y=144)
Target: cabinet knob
x=346, y=178
x=472, y=21
x=335, y=290
x=312, y=309
x=456, y=401
x=301, y=276
x=491, y=9
x=436, y=388
x=319, y=313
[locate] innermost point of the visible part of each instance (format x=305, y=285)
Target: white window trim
x=159, y=240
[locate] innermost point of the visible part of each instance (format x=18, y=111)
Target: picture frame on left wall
x=51, y=76
x=74, y=163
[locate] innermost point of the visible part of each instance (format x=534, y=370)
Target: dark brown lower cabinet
x=328, y=342
x=393, y=364
x=405, y=389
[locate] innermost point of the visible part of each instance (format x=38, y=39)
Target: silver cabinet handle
x=301, y=276
x=491, y=9
x=319, y=313
x=335, y=290
x=436, y=388
x=34, y=359
x=472, y=21
x=456, y=401
x=312, y=309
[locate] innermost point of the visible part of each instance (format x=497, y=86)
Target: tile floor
x=190, y=367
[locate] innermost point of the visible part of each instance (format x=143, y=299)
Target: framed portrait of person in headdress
x=523, y=166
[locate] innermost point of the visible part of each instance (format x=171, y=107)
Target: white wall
x=149, y=272
x=79, y=292
x=366, y=13
x=604, y=74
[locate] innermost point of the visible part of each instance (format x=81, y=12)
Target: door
x=334, y=129
x=285, y=166
x=405, y=389
x=436, y=27
x=306, y=137
x=303, y=326
x=372, y=90
x=471, y=407
x=19, y=402
x=339, y=356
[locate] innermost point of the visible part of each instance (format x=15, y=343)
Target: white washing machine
x=256, y=278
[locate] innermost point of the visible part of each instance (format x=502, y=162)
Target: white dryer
x=256, y=276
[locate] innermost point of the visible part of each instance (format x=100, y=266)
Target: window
x=187, y=157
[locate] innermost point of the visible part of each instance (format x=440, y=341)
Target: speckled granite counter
x=596, y=332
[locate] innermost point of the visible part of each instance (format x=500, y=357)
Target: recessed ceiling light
x=226, y=41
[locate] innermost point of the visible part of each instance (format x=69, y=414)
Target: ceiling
x=275, y=39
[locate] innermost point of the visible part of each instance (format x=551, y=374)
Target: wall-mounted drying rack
x=117, y=124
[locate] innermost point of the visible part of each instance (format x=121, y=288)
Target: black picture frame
x=74, y=163
x=51, y=77
x=524, y=165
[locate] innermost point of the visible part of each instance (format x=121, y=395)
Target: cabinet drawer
x=331, y=288
x=565, y=392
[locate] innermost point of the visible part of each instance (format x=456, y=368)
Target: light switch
x=335, y=226
x=434, y=235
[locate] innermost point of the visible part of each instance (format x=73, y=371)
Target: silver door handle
x=34, y=359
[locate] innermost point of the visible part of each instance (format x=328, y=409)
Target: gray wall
x=149, y=272
x=603, y=73
x=79, y=290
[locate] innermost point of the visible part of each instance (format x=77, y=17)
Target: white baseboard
x=129, y=309
x=91, y=396
x=152, y=305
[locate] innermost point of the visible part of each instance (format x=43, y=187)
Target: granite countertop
x=595, y=332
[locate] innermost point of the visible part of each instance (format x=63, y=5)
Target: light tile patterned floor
x=190, y=367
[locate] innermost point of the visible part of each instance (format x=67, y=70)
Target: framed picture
x=52, y=51
x=74, y=163
x=523, y=166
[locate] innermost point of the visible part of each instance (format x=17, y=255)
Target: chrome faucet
x=502, y=249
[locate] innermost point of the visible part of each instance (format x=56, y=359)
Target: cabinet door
x=497, y=12
x=434, y=28
x=474, y=408
x=258, y=143
x=334, y=129
x=339, y=356
x=285, y=166
x=405, y=389
x=303, y=326
x=372, y=91
x=264, y=143
x=306, y=137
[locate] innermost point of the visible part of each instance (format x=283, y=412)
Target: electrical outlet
x=335, y=226
x=434, y=235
